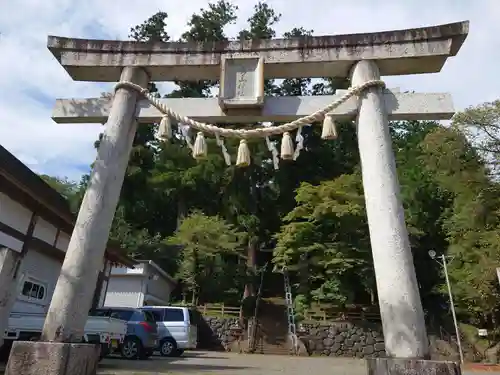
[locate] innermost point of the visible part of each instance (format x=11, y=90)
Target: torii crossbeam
x=399, y=106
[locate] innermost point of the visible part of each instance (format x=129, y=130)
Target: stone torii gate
x=242, y=67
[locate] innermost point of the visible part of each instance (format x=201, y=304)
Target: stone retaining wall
x=341, y=339
x=215, y=334
x=337, y=339
x=344, y=339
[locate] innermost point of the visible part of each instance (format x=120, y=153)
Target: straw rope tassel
x=200, y=146
x=243, y=159
x=286, y=147
x=165, y=129
x=329, y=130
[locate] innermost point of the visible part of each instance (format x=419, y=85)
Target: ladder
x=292, y=331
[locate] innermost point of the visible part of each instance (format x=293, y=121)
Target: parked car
x=103, y=330
x=141, y=338
x=177, y=328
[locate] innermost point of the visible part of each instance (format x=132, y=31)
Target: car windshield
x=117, y=314
x=157, y=313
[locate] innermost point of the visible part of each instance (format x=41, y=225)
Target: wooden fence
x=318, y=313
x=218, y=310
x=334, y=315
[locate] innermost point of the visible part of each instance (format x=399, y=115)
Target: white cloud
x=31, y=79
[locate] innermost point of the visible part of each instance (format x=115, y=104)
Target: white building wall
x=138, y=269
x=124, y=291
x=157, y=286
x=42, y=269
x=10, y=242
x=36, y=267
x=45, y=231
x=14, y=214
x=63, y=241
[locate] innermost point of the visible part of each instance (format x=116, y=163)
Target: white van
x=177, y=330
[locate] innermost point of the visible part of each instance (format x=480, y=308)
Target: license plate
x=114, y=344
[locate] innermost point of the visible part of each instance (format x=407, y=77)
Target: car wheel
x=131, y=348
x=168, y=347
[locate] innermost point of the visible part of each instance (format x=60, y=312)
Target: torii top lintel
x=410, y=51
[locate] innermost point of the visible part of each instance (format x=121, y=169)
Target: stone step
x=274, y=351
x=270, y=342
x=266, y=348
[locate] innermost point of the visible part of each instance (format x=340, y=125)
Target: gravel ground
x=197, y=363
x=206, y=363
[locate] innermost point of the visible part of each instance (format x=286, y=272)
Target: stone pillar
x=72, y=298
x=60, y=352
x=399, y=299
x=9, y=263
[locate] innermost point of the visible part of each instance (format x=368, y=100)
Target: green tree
x=70, y=190
x=325, y=240
x=481, y=125
x=311, y=227
x=205, y=241
x=471, y=222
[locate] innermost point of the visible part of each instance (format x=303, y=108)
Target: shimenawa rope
x=199, y=148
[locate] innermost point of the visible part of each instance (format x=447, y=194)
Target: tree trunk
x=494, y=324
x=181, y=210
x=195, y=278
x=304, y=276
x=251, y=268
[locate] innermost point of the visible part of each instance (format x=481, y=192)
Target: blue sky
x=31, y=79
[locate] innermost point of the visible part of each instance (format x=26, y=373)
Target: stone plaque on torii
x=241, y=67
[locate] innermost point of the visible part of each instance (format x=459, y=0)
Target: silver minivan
x=177, y=330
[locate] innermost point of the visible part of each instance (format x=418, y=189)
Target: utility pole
x=443, y=263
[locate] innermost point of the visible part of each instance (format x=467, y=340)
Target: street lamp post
x=443, y=263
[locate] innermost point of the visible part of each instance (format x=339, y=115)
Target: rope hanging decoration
x=329, y=130
x=199, y=148
x=299, y=138
x=287, y=147
x=165, y=130
x=271, y=146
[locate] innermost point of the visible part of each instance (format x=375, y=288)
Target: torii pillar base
x=406, y=366
x=52, y=358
